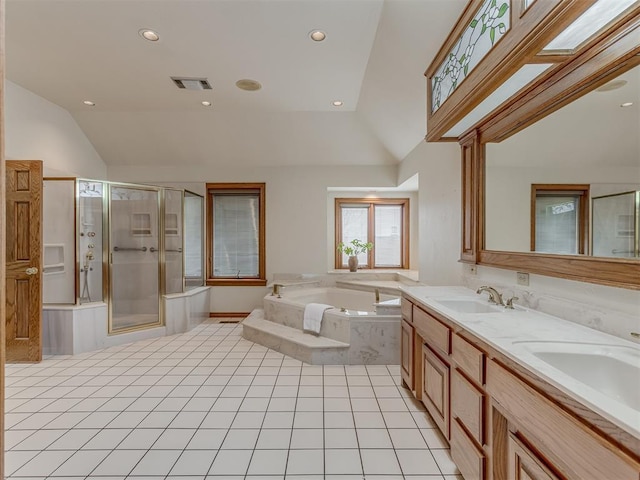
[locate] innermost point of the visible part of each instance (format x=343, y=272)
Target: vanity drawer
x=436, y=334
x=468, y=406
x=469, y=460
x=406, y=308
x=469, y=359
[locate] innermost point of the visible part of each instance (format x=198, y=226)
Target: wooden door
x=24, y=269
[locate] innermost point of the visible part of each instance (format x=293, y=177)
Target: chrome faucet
x=494, y=296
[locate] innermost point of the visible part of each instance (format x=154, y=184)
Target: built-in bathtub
x=369, y=328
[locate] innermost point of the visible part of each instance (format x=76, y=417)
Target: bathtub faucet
x=277, y=289
x=377, y=292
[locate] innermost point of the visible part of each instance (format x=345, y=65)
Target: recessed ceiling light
x=89, y=103
x=149, y=35
x=248, y=85
x=205, y=103
x=337, y=103
x=317, y=35
x=626, y=104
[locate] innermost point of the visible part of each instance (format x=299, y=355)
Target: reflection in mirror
x=193, y=238
x=592, y=142
x=615, y=225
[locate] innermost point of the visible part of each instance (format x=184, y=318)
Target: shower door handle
x=152, y=249
x=31, y=271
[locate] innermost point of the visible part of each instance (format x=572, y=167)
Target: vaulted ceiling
x=373, y=60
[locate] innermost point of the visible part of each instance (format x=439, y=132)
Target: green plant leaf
x=473, y=23
x=484, y=29
x=492, y=35
x=461, y=61
x=494, y=2
x=503, y=9
x=466, y=69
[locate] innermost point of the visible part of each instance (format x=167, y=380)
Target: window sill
x=236, y=282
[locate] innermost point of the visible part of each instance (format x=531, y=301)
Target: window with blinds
x=236, y=234
x=559, y=218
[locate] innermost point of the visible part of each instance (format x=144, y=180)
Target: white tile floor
x=209, y=404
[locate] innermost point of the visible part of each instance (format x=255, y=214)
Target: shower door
x=134, y=272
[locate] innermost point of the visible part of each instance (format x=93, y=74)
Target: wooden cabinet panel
x=406, y=354
x=574, y=450
x=472, y=153
x=468, y=359
x=468, y=406
x=469, y=460
x=524, y=464
x=406, y=309
x=434, y=332
x=435, y=388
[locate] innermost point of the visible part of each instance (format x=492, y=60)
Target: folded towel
x=313, y=313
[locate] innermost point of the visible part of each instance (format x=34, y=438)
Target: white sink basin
x=612, y=370
x=469, y=306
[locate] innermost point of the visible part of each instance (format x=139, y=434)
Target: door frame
x=3, y=236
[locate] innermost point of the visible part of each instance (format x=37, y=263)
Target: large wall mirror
x=570, y=183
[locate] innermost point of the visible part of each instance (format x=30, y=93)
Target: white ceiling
x=373, y=59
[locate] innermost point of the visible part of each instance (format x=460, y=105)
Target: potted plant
x=352, y=250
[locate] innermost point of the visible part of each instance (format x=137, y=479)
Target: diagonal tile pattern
x=208, y=404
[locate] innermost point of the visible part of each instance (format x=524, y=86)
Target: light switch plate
x=523, y=279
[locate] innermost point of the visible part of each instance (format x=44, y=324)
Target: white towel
x=313, y=313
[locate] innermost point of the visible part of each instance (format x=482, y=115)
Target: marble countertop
x=511, y=333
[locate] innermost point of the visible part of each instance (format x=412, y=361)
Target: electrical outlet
x=523, y=279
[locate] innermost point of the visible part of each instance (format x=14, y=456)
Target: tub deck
x=351, y=337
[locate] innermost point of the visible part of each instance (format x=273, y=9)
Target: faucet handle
x=509, y=303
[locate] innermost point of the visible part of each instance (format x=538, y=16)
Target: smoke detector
x=192, y=83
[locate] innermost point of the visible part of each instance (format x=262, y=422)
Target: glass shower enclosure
x=616, y=225
x=128, y=250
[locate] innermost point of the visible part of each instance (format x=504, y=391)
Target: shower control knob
x=31, y=271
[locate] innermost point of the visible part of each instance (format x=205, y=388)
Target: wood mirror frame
x=605, y=56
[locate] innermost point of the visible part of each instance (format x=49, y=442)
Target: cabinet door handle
x=31, y=270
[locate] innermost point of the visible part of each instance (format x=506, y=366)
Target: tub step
x=293, y=342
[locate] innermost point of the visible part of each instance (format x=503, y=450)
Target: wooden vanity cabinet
x=523, y=464
x=499, y=426
x=436, y=376
x=406, y=354
x=407, y=342
x=433, y=365
x=468, y=409
x=546, y=442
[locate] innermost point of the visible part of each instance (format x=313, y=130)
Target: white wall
x=36, y=129
x=296, y=213
x=438, y=168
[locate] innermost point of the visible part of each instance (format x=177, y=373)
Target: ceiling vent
x=192, y=83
